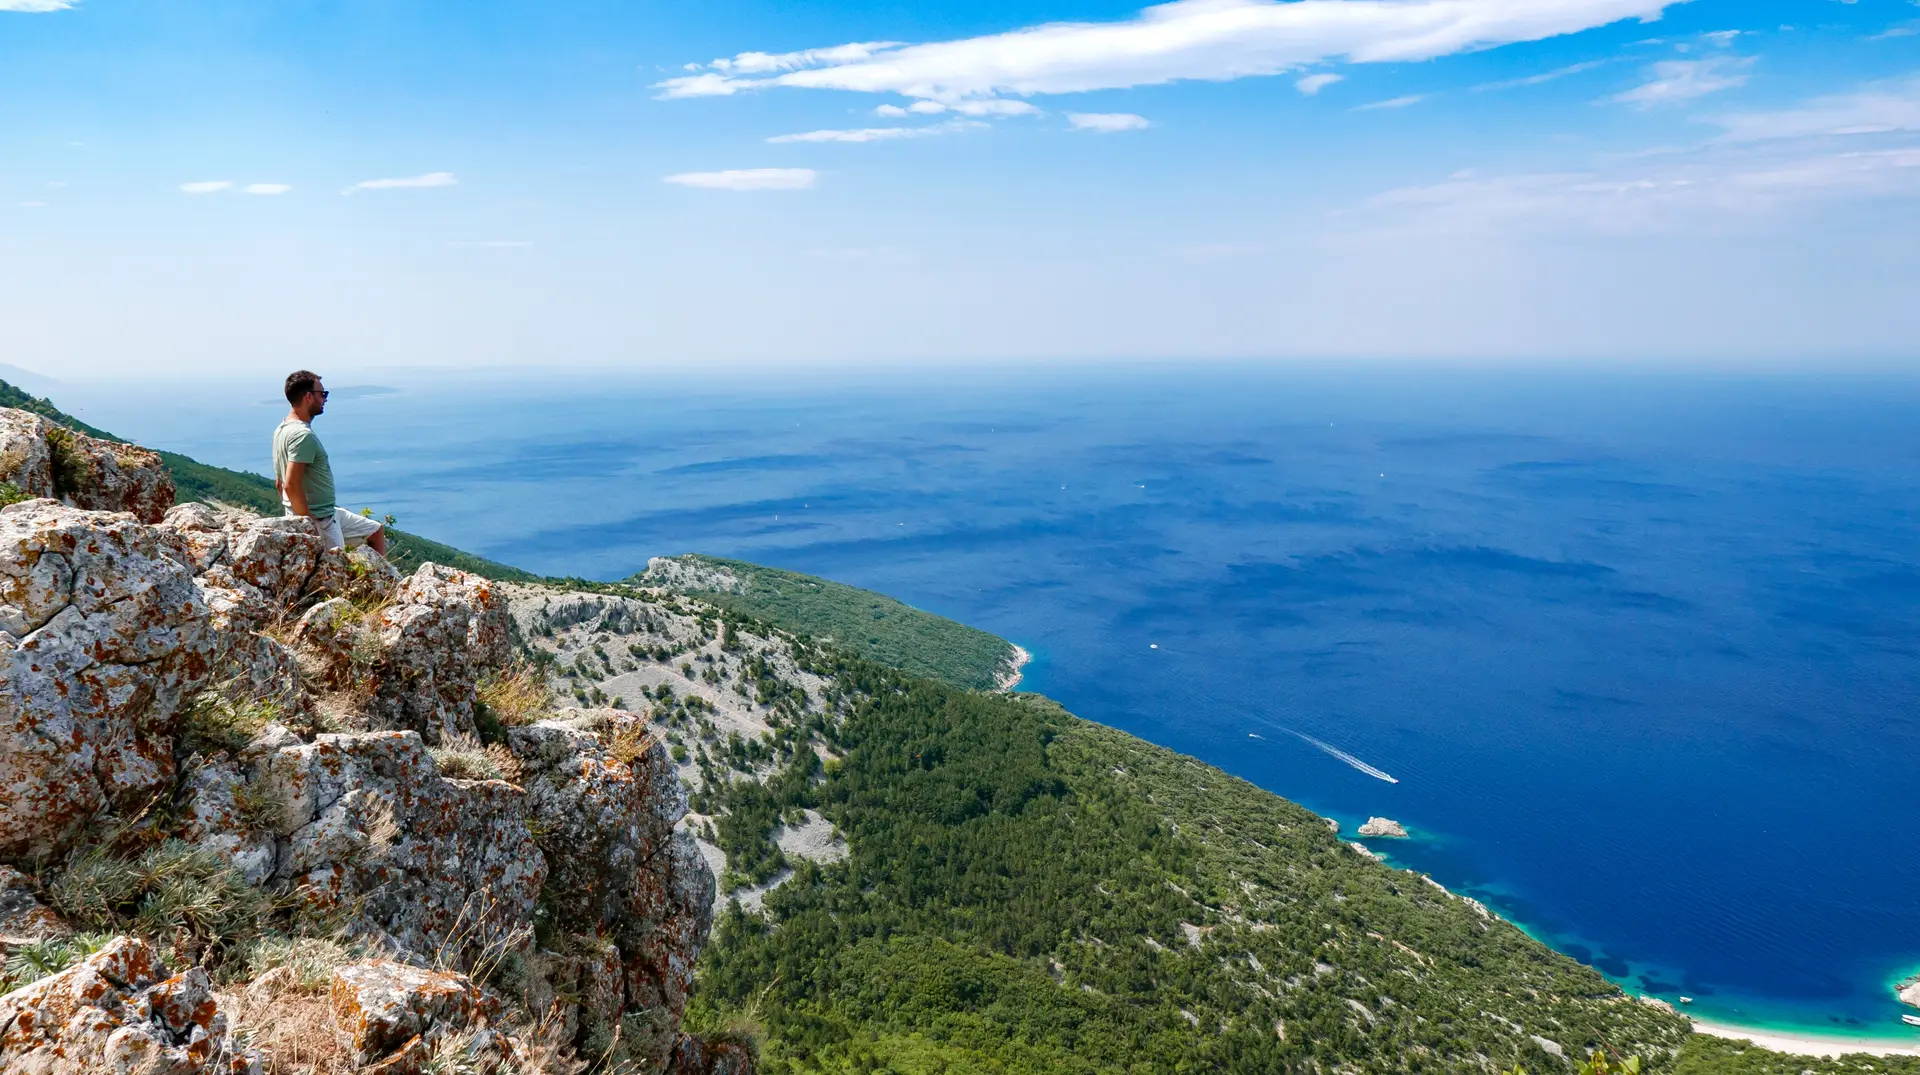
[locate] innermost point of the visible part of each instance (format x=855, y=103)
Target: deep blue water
x=1642, y=651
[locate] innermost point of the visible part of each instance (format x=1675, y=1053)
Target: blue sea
x=1640, y=651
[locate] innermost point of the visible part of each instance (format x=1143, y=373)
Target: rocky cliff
x=269, y=806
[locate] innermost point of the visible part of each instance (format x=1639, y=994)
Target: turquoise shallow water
x=1640, y=653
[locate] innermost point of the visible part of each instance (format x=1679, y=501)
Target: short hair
x=299, y=383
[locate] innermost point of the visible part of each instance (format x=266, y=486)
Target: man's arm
x=295, y=487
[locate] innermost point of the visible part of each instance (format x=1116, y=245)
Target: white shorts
x=347, y=530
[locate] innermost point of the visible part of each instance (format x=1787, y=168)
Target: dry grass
x=291, y=1024
x=628, y=741
x=222, y=718
x=515, y=697
x=464, y=758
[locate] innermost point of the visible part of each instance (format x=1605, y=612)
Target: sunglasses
x=323, y=393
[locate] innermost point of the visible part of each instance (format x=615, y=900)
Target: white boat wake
x=1377, y=774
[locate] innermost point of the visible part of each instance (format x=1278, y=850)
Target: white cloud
x=890, y=111
x=876, y=134
x=1313, y=84
x=747, y=179
x=1684, y=80
x=1393, y=102
x=1545, y=76
x=1107, y=122
x=1877, y=108
x=209, y=186
x=36, y=6
x=1214, y=40
x=1701, y=189
x=490, y=244
x=412, y=182
x=268, y=188
x=33, y=205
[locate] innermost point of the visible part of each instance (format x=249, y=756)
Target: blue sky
x=228, y=185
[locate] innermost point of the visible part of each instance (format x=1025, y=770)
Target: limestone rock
x=441, y=631
x=216, y=822
x=1384, y=827
x=605, y=800
x=389, y=1011
x=102, y=636
x=118, y=1012
x=694, y=1056
x=437, y=864
x=373, y=579
x=46, y=459
x=25, y=462
x=277, y=557
x=1911, y=994
x=22, y=916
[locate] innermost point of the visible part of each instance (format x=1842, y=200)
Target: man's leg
x=360, y=530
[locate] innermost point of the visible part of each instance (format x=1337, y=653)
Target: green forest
x=868, y=624
x=1030, y=892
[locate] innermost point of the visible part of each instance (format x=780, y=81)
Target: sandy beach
x=1809, y=1044
x=1012, y=676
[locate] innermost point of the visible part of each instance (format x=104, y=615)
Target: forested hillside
x=869, y=624
x=1029, y=892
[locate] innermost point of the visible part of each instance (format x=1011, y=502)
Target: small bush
x=71, y=467
x=170, y=890
x=11, y=494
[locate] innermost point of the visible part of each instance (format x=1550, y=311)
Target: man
x=305, y=479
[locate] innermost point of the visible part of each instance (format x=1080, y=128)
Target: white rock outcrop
x=1386, y=827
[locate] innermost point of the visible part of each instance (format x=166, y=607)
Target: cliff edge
x=266, y=806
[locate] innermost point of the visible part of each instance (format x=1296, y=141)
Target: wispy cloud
x=490, y=244
x=1684, y=80
x=36, y=6
x=876, y=134
x=268, y=188
x=1212, y=40
x=747, y=179
x=1876, y=108
x=1544, y=76
x=1858, y=145
x=206, y=186
x=33, y=205
x=1107, y=122
x=412, y=182
x=1313, y=84
x=1393, y=102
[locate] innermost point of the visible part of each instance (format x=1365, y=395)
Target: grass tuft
x=464, y=758
x=172, y=890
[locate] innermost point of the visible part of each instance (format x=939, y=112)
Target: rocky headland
x=265, y=806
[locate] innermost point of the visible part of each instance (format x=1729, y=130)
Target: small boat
x=1911, y=1020
x=1686, y=1000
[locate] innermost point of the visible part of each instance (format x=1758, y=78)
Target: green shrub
x=172, y=890
x=37, y=959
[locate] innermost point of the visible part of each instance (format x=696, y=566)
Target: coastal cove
x=1640, y=682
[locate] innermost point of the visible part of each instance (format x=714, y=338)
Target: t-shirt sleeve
x=303, y=447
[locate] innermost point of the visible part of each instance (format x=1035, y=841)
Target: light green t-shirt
x=294, y=442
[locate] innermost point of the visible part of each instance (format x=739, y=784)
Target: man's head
x=305, y=394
